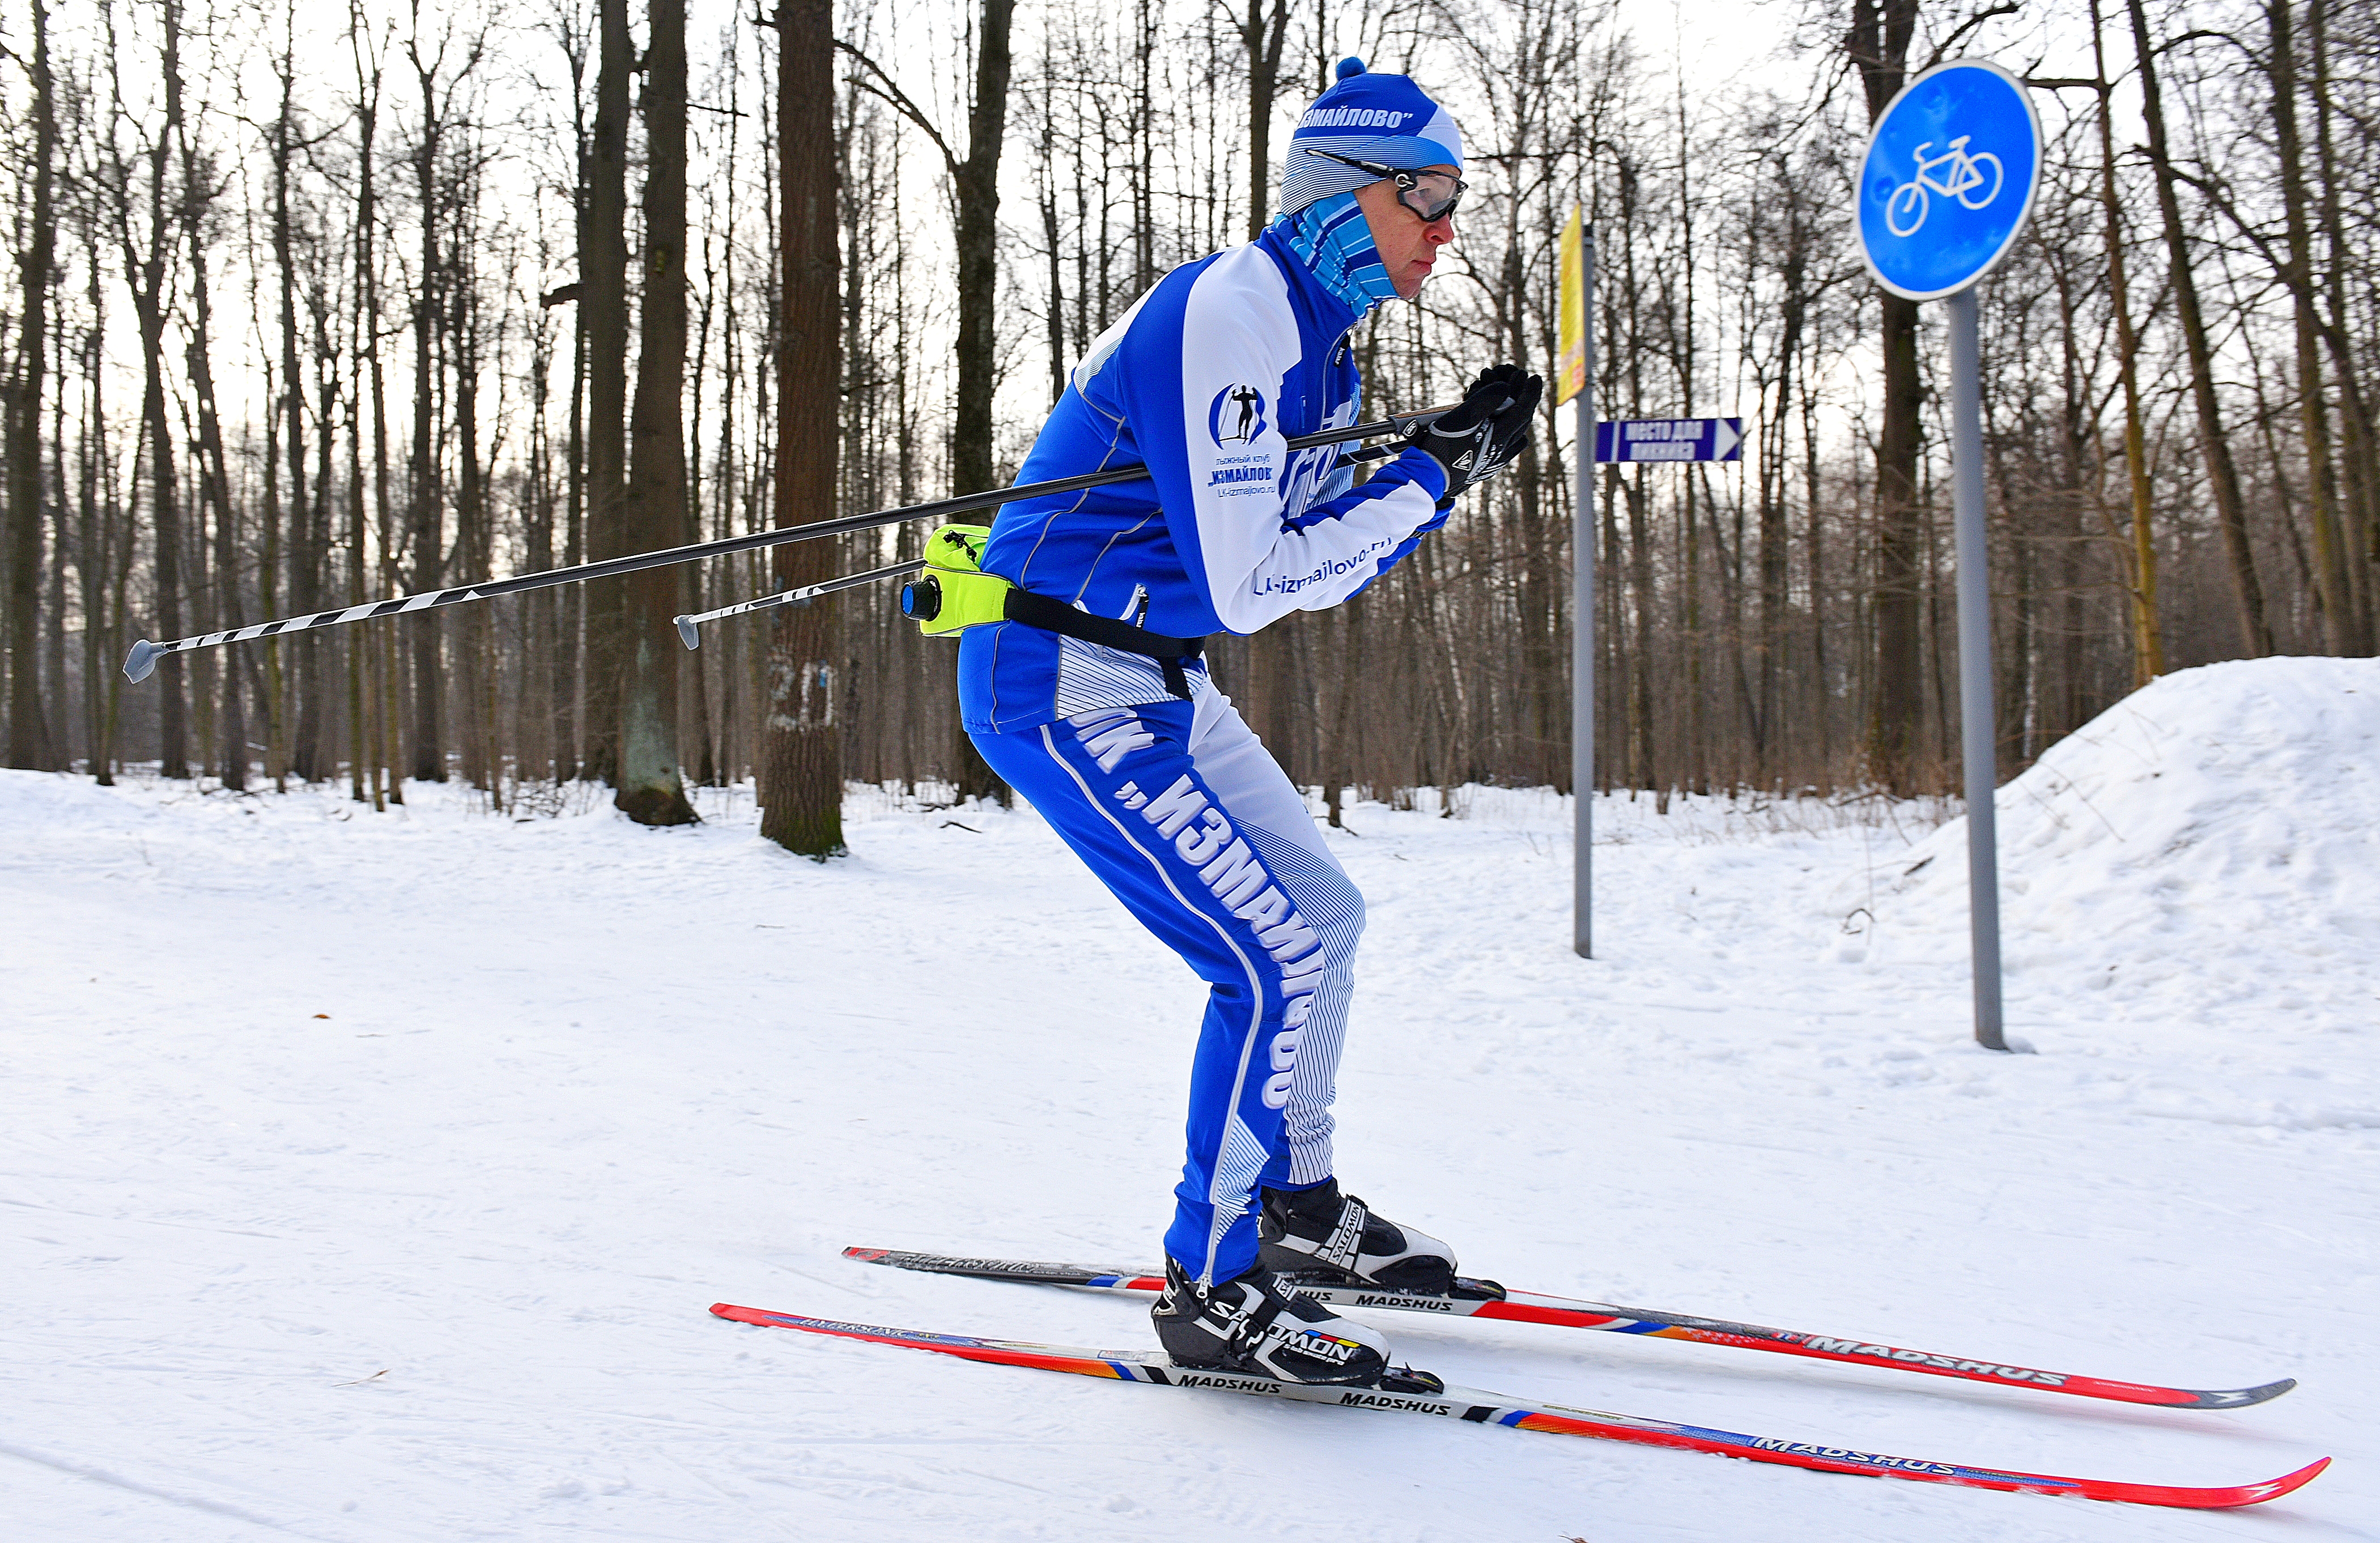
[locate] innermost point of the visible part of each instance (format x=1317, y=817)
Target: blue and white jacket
x=1201, y=381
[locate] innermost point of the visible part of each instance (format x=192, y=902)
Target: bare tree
x=650, y=790
x=1878, y=43
x=2222, y=471
x=143, y=232
x=976, y=236
x=603, y=314
x=1766, y=627
x=2148, y=631
x=29, y=732
x=801, y=765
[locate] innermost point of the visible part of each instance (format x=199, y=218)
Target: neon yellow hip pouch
x=953, y=593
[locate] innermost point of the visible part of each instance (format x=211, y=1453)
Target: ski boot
x=1323, y=1237
x=1250, y=1325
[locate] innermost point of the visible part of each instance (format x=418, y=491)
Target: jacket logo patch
x=1236, y=415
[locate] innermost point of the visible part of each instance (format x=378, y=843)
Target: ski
x=1426, y=1397
x=1485, y=1299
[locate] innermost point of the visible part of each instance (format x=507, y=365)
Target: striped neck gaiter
x=1333, y=239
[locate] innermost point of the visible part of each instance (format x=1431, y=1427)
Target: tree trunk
x=1271, y=687
x=2342, y=621
x=570, y=605
x=978, y=252
x=1897, y=707
x=1645, y=767
x=2148, y=632
x=1880, y=33
x=2222, y=474
x=978, y=234
x=650, y=790
x=1262, y=39
x=801, y=763
x=317, y=749
x=476, y=666
x=29, y=732
x=2360, y=449
x=144, y=275
x=604, y=306
x=214, y=471
x=426, y=519
x=304, y=687
x=95, y=545
x=363, y=783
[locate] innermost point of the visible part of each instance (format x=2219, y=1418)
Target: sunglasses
x=1431, y=195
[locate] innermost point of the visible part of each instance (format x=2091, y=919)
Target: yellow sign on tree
x=1570, y=368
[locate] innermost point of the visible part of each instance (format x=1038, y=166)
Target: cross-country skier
x=1092, y=701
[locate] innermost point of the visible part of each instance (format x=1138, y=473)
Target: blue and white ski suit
x=1175, y=803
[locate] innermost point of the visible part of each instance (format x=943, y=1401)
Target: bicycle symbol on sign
x=1961, y=174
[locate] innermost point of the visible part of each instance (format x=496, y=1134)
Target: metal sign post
x=1978, y=733
x=1575, y=382
x=1950, y=177
x=1625, y=440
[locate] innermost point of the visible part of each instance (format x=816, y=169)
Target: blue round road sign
x=1950, y=177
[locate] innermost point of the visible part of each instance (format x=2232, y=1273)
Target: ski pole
x=142, y=658
x=688, y=626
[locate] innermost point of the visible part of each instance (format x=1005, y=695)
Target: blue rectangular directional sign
x=1669, y=439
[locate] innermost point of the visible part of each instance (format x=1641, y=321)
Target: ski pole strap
x=1054, y=616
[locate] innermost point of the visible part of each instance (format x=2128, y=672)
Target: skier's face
x=1408, y=244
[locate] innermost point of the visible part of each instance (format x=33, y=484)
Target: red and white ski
x=1484, y=1408
x=1485, y=1299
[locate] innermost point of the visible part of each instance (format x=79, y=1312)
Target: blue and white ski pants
x=1185, y=816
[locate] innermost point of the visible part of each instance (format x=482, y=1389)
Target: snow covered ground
x=368, y=1177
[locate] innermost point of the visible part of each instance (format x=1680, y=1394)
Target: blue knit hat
x=1385, y=118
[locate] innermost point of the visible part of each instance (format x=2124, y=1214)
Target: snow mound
x=2213, y=838
x=31, y=800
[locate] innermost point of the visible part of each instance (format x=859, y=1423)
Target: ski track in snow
x=435, y=1266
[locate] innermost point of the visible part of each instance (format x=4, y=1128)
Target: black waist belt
x=1053, y=615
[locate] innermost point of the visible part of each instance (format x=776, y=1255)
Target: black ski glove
x=1486, y=432
x=1511, y=426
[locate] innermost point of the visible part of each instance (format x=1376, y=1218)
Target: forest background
x=312, y=307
